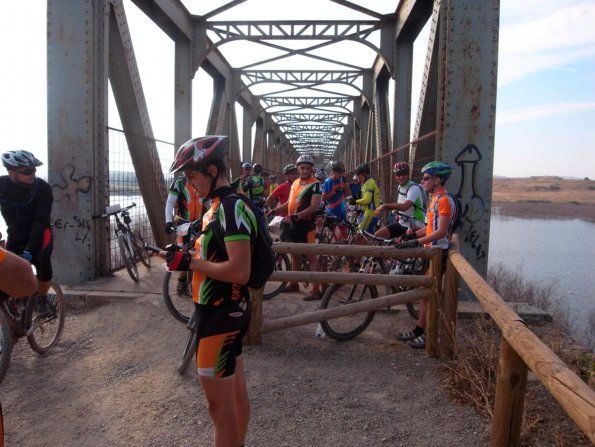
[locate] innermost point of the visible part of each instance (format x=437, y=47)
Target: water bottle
x=319, y=332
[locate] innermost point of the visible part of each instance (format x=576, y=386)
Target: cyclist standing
x=280, y=196
x=437, y=233
x=255, y=186
x=369, y=200
x=334, y=191
x=182, y=203
x=238, y=183
x=220, y=272
x=411, y=203
x=302, y=205
x=26, y=206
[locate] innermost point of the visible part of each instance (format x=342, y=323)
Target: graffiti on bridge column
x=473, y=204
x=67, y=193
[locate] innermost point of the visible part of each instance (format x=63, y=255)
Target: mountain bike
x=20, y=317
x=177, y=294
x=131, y=243
x=348, y=327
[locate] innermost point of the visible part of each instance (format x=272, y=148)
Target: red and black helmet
x=199, y=153
x=401, y=167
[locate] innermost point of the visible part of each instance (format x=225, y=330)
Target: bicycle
x=349, y=327
x=20, y=317
x=177, y=295
x=131, y=243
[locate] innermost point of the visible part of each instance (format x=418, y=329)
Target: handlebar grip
x=153, y=248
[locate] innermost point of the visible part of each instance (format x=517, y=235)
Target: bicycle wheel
x=128, y=257
x=5, y=346
x=178, y=296
x=346, y=328
x=45, y=331
x=142, y=254
x=407, y=267
x=189, y=347
x=273, y=288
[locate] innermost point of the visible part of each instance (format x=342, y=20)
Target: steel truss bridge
x=342, y=111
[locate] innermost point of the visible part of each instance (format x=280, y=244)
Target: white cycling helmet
x=19, y=159
x=305, y=159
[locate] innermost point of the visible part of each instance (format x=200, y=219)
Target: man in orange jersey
x=304, y=201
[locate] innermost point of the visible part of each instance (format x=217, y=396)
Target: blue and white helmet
x=19, y=159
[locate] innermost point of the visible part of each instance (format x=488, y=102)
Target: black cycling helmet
x=288, y=168
x=199, y=153
x=337, y=166
x=363, y=169
x=19, y=159
x=257, y=168
x=246, y=166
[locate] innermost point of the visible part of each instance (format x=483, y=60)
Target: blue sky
x=545, y=121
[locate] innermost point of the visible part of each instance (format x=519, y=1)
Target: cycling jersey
x=445, y=207
x=184, y=200
x=254, y=186
x=281, y=192
x=415, y=194
x=26, y=210
x=369, y=202
x=336, y=205
x=301, y=193
x=236, y=222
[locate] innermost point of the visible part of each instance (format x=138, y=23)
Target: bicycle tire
x=127, y=253
x=349, y=327
x=5, y=346
x=44, y=333
x=273, y=288
x=189, y=347
x=180, y=305
x=417, y=266
x=140, y=251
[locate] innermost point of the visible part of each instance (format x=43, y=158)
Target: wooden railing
x=520, y=348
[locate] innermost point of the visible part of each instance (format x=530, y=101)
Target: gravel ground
x=112, y=382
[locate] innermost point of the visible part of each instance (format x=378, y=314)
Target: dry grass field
x=545, y=196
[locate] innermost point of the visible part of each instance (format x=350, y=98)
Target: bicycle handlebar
x=376, y=238
x=126, y=208
x=153, y=247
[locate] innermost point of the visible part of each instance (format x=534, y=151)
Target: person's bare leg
x=221, y=398
x=314, y=267
x=242, y=400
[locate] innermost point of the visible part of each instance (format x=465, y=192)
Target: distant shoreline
x=545, y=210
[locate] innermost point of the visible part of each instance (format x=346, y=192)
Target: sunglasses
x=401, y=174
x=424, y=178
x=27, y=171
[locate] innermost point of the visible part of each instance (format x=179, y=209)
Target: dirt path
x=112, y=382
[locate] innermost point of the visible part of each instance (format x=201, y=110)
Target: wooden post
x=253, y=337
x=432, y=312
x=448, y=322
x=510, y=398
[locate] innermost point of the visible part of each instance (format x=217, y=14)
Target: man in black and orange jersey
x=182, y=204
x=220, y=293
x=304, y=201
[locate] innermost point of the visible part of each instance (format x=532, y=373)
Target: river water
x=556, y=252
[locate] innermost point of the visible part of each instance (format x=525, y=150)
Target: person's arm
x=314, y=206
x=235, y=269
x=169, y=207
x=271, y=200
x=367, y=196
x=16, y=275
x=41, y=218
x=441, y=232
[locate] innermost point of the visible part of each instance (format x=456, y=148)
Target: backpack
x=457, y=211
x=262, y=261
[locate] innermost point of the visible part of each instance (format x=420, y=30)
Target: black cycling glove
x=177, y=259
x=169, y=227
x=408, y=236
x=408, y=244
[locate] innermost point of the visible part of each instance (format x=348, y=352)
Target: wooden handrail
x=353, y=278
x=574, y=395
x=355, y=250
